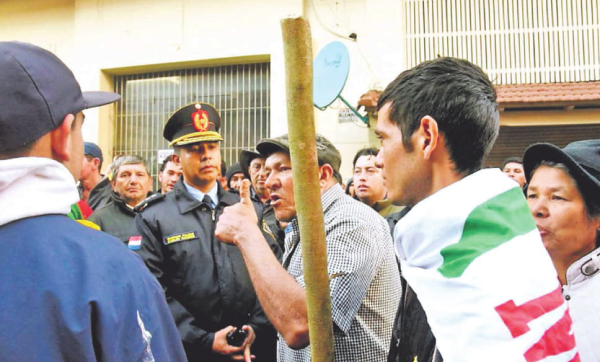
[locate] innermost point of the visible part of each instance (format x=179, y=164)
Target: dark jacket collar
x=254, y=196
x=120, y=202
x=186, y=202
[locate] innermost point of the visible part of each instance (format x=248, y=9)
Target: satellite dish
x=330, y=72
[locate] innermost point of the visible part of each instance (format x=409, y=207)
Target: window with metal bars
x=514, y=41
x=241, y=94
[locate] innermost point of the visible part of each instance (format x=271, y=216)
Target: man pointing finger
x=361, y=264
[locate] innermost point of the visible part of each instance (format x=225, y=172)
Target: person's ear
x=325, y=174
x=428, y=136
x=96, y=162
x=60, y=139
x=597, y=220
x=176, y=159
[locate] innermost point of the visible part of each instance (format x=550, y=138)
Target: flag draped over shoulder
x=80, y=210
x=474, y=257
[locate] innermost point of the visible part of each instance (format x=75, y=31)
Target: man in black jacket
x=253, y=167
x=90, y=174
x=206, y=282
x=131, y=183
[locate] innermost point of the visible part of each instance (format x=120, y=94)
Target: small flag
x=134, y=242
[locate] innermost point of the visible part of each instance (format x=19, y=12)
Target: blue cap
x=37, y=91
x=92, y=149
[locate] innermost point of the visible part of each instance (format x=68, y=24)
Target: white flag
x=474, y=257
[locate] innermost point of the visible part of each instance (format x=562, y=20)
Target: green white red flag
x=474, y=257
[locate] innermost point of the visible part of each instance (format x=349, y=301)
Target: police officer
x=206, y=282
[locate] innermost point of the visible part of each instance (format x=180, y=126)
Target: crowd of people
x=430, y=256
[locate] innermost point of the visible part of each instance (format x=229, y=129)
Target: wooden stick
x=303, y=150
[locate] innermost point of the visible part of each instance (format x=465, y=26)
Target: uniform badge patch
x=200, y=119
x=134, y=242
x=175, y=238
x=267, y=230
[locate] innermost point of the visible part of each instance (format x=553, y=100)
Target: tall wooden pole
x=301, y=124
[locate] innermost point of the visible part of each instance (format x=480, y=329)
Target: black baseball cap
x=37, y=91
x=326, y=151
x=193, y=123
x=582, y=158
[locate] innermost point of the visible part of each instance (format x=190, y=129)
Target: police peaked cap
x=193, y=123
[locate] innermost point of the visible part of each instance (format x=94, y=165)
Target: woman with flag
x=564, y=196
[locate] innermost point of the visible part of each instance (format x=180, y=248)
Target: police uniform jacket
x=206, y=282
x=270, y=224
x=273, y=224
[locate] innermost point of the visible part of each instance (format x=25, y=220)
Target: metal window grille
x=241, y=94
x=514, y=41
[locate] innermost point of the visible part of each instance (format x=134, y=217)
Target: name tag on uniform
x=175, y=238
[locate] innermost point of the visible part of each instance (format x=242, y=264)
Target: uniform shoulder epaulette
x=149, y=201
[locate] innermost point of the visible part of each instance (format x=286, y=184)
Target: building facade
x=162, y=54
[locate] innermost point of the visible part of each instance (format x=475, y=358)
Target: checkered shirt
x=364, y=280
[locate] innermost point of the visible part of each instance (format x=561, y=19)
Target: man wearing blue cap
x=69, y=293
x=90, y=174
x=206, y=282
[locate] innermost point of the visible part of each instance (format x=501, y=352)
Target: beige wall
x=49, y=24
x=375, y=60
x=555, y=118
x=100, y=38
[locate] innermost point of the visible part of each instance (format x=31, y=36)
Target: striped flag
x=474, y=256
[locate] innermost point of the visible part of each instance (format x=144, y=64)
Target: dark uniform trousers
x=206, y=282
